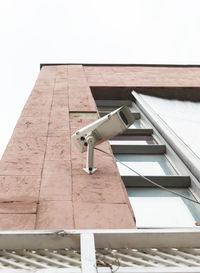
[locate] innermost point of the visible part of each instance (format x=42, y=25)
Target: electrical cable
x=147, y=179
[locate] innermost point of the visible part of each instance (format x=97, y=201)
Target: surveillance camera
x=101, y=130
x=104, y=128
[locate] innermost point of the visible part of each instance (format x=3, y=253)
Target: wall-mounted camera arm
x=101, y=130
x=90, y=155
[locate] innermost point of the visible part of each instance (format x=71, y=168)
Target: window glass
x=136, y=125
x=158, y=208
x=144, y=164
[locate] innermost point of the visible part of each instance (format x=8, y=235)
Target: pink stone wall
x=143, y=76
x=42, y=182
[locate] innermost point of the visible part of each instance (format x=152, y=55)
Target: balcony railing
x=92, y=251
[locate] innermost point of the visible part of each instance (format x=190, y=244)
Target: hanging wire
x=147, y=179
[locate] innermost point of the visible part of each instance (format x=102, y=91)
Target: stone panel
x=17, y=221
x=55, y=215
x=144, y=76
x=102, y=216
x=19, y=188
x=18, y=207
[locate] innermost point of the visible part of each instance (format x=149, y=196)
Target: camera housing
x=101, y=130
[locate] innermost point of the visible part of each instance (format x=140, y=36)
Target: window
x=158, y=208
x=144, y=164
x=143, y=148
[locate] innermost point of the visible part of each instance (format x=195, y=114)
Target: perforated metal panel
x=186, y=258
x=111, y=259
x=39, y=259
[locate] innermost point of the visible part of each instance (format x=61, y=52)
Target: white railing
x=92, y=251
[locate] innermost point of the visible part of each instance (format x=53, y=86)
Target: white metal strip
x=70, y=239
x=88, y=257
x=44, y=239
x=157, y=238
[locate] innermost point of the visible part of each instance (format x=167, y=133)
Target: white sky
x=104, y=31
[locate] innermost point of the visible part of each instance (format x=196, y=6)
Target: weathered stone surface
x=102, y=216
x=18, y=166
x=57, y=168
x=31, y=127
x=97, y=189
x=32, y=123
x=80, y=96
x=42, y=90
x=78, y=123
x=48, y=82
x=105, y=165
x=56, y=181
x=19, y=188
x=61, y=87
x=58, y=133
x=36, y=112
x=41, y=100
x=78, y=162
x=60, y=101
x=56, y=187
x=17, y=221
x=31, y=148
x=84, y=104
x=58, y=148
x=18, y=207
x=141, y=76
x=59, y=122
x=79, y=91
x=55, y=215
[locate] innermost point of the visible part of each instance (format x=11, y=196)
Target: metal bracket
x=90, y=155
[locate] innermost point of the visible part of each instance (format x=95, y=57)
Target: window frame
x=162, y=134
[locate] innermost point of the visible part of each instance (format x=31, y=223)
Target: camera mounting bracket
x=90, y=155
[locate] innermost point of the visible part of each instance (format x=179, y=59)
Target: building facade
x=44, y=187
